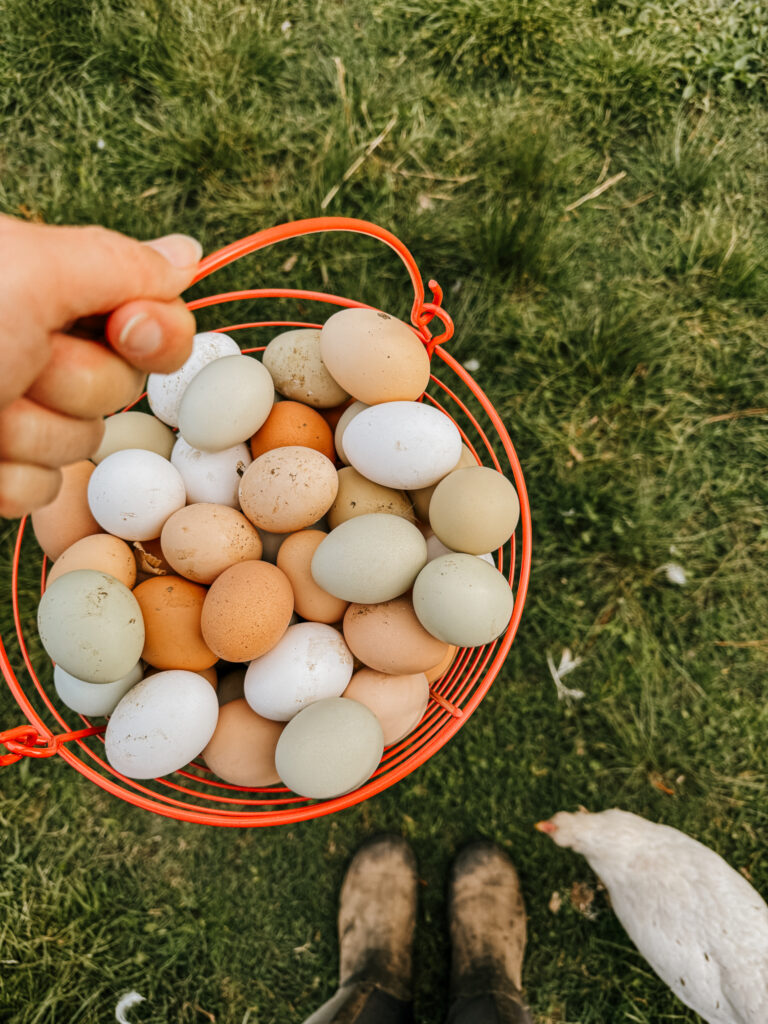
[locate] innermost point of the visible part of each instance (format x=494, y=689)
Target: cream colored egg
x=298, y=371
x=358, y=496
x=474, y=510
x=344, y=420
x=422, y=497
x=374, y=356
x=399, y=702
x=225, y=403
x=135, y=430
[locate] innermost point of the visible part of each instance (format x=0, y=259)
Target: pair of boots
x=377, y=918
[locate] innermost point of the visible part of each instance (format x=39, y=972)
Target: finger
x=25, y=488
x=31, y=433
x=85, y=379
x=155, y=336
x=79, y=271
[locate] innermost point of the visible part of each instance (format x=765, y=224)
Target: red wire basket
x=194, y=794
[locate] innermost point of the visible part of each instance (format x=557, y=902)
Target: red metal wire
x=191, y=795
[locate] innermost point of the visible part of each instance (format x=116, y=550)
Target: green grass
x=624, y=342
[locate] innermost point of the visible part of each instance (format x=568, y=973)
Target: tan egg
x=374, y=356
x=99, y=551
x=422, y=497
x=200, y=541
x=292, y=423
x=288, y=489
x=242, y=748
x=357, y=495
x=474, y=510
x=343, y=422
x=247, y=610
x=434, y=673
x=207, y=673
x=172, y=608
x=68, y=517
x=399, y=702
x=311, y=601
x=389, y=638
x=294, y=361
x=135, y=430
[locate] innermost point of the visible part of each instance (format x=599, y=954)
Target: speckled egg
x=288, y=489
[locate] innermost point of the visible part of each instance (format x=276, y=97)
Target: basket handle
x=422, y=312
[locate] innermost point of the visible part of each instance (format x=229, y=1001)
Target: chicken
x=699, y=924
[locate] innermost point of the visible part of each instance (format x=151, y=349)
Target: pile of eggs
x=271, y=570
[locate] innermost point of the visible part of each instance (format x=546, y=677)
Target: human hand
x=61, y=289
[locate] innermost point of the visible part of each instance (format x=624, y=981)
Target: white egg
x=164, y=390
x=406, y=445
x=213, y=477
x=310, y=662
x=161, y=724
x=226, y=403
x=93, y=698
x=132, y=493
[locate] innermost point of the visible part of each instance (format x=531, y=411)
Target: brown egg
x=68, y=517
x=389, y=638
x=374, y=356
x=422, y=497
x=399, y=702
x=310, y=600
x=99, y=551
x=291, y=423
x=288, y=489
x=434, y=673
x=357, y=496
x=242, y=748
x=201, y=540
x=172, y=608
x=247, y=610
x=207, y=673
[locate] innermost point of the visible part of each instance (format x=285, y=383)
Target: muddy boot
x=488, y=928
x=377, y=918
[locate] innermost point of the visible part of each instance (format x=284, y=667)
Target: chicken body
x=700, y=925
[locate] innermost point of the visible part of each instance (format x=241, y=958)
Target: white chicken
x=699, y=924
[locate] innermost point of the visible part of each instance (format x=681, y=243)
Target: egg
x=247, y=610
x=357, y=496
x=439, y=670
x=462, y=600
x=422, y=496
x=132, y=493
x=388, y=637
x=172, y=609
x=294, y=557
x=225, y=403
x=99, y=551
x=374, y=356
x=297, y=368
x=93, y=699
x=135, y=430
x=91, y=624
x=329, y=748
x=398, y=701
x=288, y=489
x=404, y=445
x=161, y=724
x=211, y=476
x=293, y=424
x=474, y=510
x=164, y=390
x=310, y=662
x=200, y=541
x=68, y=517
x=344, y=420
x=370, y=558
x=242, y=748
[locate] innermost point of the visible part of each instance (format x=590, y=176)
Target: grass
x=624, y=342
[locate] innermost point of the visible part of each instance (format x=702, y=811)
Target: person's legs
x=488, y=930
x=377, y=917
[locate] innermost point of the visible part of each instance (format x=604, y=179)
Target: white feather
x=126, y=1002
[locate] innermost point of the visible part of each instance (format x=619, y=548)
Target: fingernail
x=141, y=336
x=180, y=250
